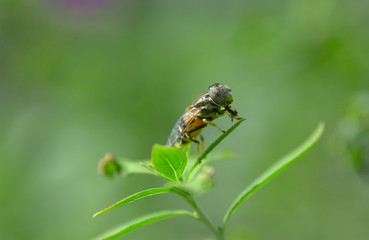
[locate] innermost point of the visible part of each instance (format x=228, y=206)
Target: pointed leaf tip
x=134, y=197
x=278, y=167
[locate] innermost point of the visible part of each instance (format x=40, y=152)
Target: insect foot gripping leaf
x=169, y=162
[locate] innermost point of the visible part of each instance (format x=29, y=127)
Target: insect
x=208, y=106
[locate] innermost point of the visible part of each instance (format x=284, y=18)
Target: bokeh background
x=80, y=78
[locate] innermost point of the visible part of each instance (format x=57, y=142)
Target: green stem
x=213, y=145
x=193, y=168
x=202, y=216
x=206, y=220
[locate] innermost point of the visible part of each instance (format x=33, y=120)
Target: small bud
x=108, y=165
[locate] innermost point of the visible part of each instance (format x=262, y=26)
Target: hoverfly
x=207, y=107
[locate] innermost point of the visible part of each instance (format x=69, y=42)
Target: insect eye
x=215, y=85
x=220, y=94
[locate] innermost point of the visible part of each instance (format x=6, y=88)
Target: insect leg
x=212, y=124
x=198, y=146
x=202, y=143
x=233, y=113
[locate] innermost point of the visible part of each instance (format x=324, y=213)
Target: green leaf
x=217, y=156
x=109, y=165
x=200, y=182
x=224, y=155
x=219, y=139
x=129, y=167
x=134, y=197
x=274, y=170
x=119, y=231
x=169, y=162
x=213, y=145
x=149, y=167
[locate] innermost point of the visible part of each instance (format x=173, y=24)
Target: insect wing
x=181, y=127
x=175, y=137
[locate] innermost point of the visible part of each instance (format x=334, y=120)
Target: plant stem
x=206, y=220
x=202, y=216
x=193, y=168
x=213, y=145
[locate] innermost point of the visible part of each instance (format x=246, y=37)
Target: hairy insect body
x=207, y=107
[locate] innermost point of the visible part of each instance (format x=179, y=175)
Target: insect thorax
x=206, y=109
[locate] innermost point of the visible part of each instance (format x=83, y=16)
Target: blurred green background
x=82, y=78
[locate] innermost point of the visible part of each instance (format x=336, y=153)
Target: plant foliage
x=172, y=164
